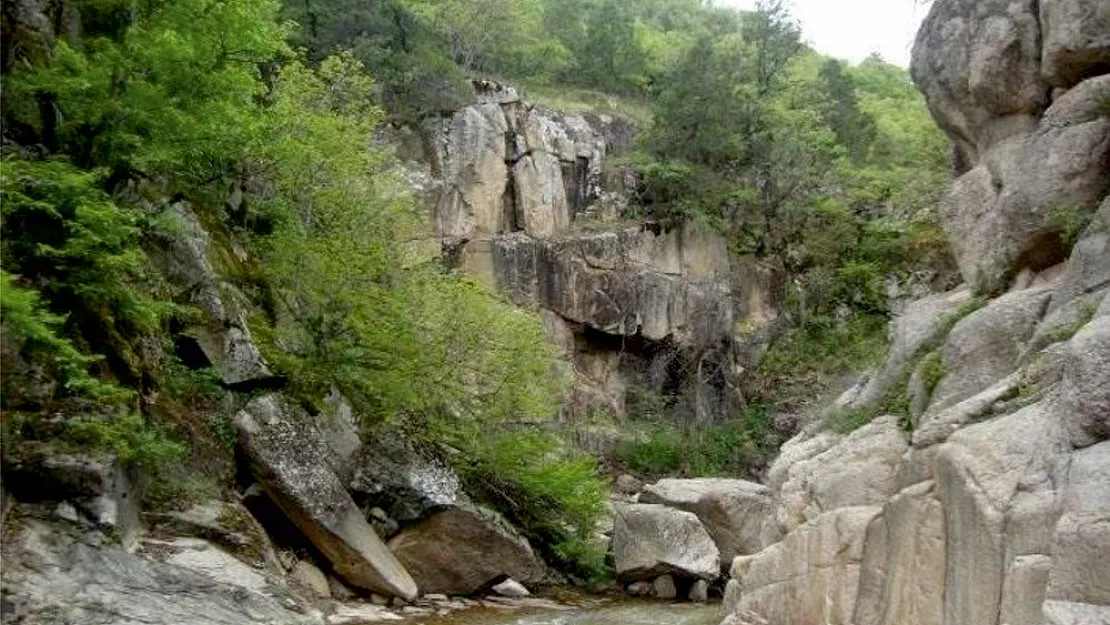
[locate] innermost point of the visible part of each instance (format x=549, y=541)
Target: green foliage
x=362, y=313
x=1069, y=222
x=174, y=94
x=81, y=250
x=37, y=335
x=128, y=437
x=739, y=448
x=933, y=370
x=848, y=421
x=1064, y=332
x=554, y=495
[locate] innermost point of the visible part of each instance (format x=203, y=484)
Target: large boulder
x=984, y=347
x=651, y=540
x=904, y=563
x=811, y=577
x=463, y=549
x=997, y=483
x=1075, y=40
x=978, y=63
x=1080, y=570
x=56, y=576
x=734, y=512
x=1004, y=214
x=289, y=458
x=408, y=483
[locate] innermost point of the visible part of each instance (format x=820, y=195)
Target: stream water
x=618, y=612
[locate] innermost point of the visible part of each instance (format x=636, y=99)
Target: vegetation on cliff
x=258, y=116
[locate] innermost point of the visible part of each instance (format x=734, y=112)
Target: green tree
x=854, y=129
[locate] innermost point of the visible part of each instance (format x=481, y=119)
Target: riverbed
x=602, y=612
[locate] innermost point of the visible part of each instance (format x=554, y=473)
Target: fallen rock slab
x=290, y=461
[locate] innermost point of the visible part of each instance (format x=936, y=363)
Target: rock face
x=732, y=511
x=986, y=69
x=185, y=254
x=463, y=549
x=98, y=489
x=289, y=458
x=521, y=202
x=650, y=540
x=996, y=511
x=59, y=576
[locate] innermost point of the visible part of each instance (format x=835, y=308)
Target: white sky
x=853, y=29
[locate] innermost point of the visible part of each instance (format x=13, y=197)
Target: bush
x=741, y=448
x=36, y=334
x=553, y=494
x=129, y=438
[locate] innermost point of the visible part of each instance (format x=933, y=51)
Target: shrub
x=129, y=438
x=740, y=448
x=554, y=495
x=36, y=334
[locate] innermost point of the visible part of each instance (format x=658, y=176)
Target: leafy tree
x=854, y=129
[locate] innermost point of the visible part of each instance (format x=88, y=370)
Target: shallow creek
x=616, y=612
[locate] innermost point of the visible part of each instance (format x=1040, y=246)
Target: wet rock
x=640, y=589
x=360, y=613
x=290, y=460
x=650, y=540
x=462, y=549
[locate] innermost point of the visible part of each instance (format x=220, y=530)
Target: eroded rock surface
x=290, y=459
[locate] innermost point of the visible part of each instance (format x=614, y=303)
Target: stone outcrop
x=986, y=69
x=650, y=540
x=521, y=201
x=463, y=549
x=185, y=253
x=811, y=576
x=733, y=511
x=98, y=489
x=288, y=456
x=996, y=511
x=55, y=575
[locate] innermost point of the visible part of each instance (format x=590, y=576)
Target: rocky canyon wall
x=522, y=199
x=989, y=503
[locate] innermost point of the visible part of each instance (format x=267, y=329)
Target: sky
x=853, y=29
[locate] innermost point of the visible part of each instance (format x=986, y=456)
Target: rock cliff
x=988, y=504
x=522, y=198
